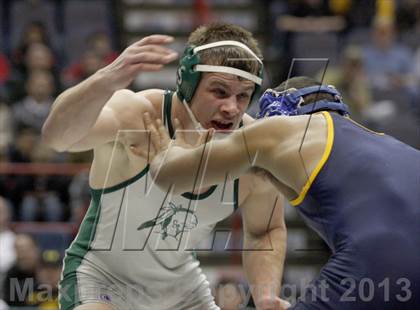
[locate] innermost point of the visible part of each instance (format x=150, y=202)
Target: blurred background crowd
x=368, y=49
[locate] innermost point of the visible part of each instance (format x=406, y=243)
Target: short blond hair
x=230, y=56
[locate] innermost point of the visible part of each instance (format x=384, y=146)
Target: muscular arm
x=79, y=114
x=264, y=240
x=76, y=111
x=210, y=163
x=274, y=144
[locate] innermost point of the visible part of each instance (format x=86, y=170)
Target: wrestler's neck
x=180, y=112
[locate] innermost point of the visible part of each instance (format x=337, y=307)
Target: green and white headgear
x=190, y=68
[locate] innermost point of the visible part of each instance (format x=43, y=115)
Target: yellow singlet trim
x=325, y=156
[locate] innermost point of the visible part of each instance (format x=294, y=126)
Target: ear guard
x=289, y=102
x=189, y=70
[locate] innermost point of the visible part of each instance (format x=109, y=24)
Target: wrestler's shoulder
x=127, y=102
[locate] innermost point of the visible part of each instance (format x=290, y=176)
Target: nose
x=230, y=107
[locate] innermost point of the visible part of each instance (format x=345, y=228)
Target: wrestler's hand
x=145, y=55
x=204, y=136
x=160, y=140
x=271, y=303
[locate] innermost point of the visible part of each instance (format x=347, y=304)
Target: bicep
x=263, y=208
x=103, y=131
x=118, y=120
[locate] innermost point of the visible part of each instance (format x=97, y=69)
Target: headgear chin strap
x=290, y=102
x=190, y=68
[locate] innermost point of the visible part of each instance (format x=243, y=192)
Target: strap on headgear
x=188, y=74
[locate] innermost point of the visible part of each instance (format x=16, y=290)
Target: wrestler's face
x=220, y=100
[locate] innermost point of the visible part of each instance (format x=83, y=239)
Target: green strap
x=236, y=183
x=167, y=121
x=167, y=108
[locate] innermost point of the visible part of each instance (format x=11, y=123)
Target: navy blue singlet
x=363, y=199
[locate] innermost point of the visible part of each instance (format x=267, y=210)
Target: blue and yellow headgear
x=290, y=102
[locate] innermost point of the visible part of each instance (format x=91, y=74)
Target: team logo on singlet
x=172, y=221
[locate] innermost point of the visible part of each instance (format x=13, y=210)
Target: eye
x=219, y=92
x=243, y=96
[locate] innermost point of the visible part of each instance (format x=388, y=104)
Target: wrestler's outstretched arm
x=185, y=167
x=91, y=113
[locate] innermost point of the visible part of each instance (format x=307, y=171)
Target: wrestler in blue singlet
x=365, y=204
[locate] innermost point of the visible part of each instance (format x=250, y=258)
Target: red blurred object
x=42, y=168
x=4, y=69
x=202, y=12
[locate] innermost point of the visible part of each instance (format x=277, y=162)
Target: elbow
x=51, y=140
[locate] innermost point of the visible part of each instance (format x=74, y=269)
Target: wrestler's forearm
x=75, y=111
x=209, y=164
x=263, y=260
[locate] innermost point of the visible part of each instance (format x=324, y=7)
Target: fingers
x=151, y=54
x=155, y=39
x=147, y=67
x=153, y=48
x=152, y=58
x=163, y=133
x=285, y=304
x=154, y=134
x=148, y=54
x=179, y=130
x=152, y=45
x=205, y=137
x=159, y=137
x=271, y=303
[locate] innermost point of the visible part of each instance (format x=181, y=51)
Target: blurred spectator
x=388, y=64
x=34, y=33
x=351, y=79
x=41, y=202
x=80, y=196
x=100, y=44
x=417, y=67
x=310, y=16
x=309, y=29
x=6, y=129
x=25, y=142
x=89, y=64
x=13, y=186
x=408, y=15
x=38, y=57
x=7, y=240
x=4, y=70
x=45, y=295
x=99, y=53
x=3, y=305
x=35, y=197
x=20, y=278
x=33, y=110
x=230, y=294
x=359, y=14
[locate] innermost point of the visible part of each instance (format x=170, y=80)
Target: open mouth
x=222, y=125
